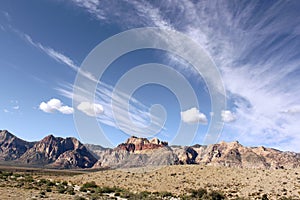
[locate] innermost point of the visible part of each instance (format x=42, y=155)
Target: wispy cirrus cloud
x=256, y=47
x=134, y=121
x=56, y=55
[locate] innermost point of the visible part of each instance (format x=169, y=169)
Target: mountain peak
x=11, y=146
x=5, y=134
x=59, y=152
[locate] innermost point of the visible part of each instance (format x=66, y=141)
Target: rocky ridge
x=57, y=152
x=51, y=152
x=11, y=147
x=136, y=152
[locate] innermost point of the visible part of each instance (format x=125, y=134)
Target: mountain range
x=70, y=153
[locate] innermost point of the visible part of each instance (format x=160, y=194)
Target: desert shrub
x=48, y=189
x=145, y=193
x=43, y=181
x=70, y=190
x=198, y=193
x=91, y=184
x=50, y=183
x=65, y=183
x=61, y=189
x=286, y=198
x=17, y=175
x=107, y=190
x=126, y=194
x=28, y=179
x=165, y=194
x=265, y=197
x=7, y=173
x=216, y=195
x=82, y=189
x=186, y=197
x=141, y=195
x=79, y=198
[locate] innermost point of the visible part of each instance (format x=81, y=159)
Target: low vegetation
x=90, y=190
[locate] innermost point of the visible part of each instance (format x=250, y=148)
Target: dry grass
x=179, y=180
x=250, y=183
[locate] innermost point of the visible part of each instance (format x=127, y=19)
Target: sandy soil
x=250, y=183
x=24, y=194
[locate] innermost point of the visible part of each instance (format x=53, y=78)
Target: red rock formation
x=139, y=144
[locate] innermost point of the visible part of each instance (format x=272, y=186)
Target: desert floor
x=232, y=182
x=250, y=183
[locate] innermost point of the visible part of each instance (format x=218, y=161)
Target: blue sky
x=254, y=45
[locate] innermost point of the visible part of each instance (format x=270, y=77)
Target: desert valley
x=139, y=168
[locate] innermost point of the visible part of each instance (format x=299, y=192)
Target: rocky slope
x=137, y=152
x=58, y=152
x=233, y=154
x=11, y=147
x=51, y=152
x=143, y=152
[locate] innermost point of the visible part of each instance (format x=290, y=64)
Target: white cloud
x=5, y=110
x=228, y=116
x=54, y=105
x=90, y=109
x=66, y=110
x=251, y=53
x=193, y=116
x=16, y=107
x=135, y=119
x=258, y=57
x=92, y=6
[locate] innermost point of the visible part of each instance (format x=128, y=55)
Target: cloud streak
x=102, y=108
x=56, y=55
x=256, y=47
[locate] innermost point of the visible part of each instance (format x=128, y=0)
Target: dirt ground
x=233, y=182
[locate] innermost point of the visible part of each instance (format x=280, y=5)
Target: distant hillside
x=50, y=151
x=57, y=152
x=11, y=147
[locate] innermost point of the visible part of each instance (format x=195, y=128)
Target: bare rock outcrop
x=138, y=152
x=59, y=152
x=134, y=144
x=12, y=147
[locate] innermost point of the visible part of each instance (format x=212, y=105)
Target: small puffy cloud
x=5, y=110
x=227, y=116
x=193, y=116
x=90, y=109
x=16, y=107
x=55, y=105
x=66, y=110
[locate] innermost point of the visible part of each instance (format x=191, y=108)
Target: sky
x=254, y=45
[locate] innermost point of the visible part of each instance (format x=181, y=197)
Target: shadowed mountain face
x=50, y=151
x=57, y=152
x=11, y=147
